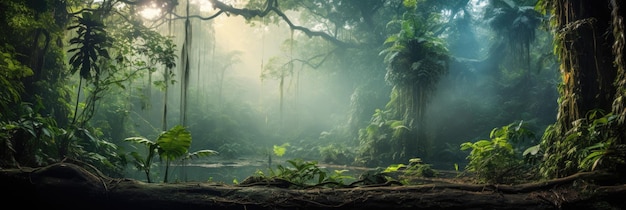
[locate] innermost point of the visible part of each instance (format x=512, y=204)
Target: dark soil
x=68, y=186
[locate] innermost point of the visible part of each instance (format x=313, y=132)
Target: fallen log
x=68, y=186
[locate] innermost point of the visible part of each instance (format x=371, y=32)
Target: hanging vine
x=585, y=126
x=185, y=68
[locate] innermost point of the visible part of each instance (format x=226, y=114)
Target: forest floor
x=68, y=186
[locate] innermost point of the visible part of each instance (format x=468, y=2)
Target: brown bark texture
x=67, y=186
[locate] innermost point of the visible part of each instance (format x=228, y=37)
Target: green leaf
x=393, y=168
x=140, y=140
x=409, y=3
x=482, y=143
x=408, y=29
x=466, y=145
x=280, y=150
x=174, y=143
x=201, y=153
x=397, y=124
x=392, y=38
x=532, y=150
x=322, y=177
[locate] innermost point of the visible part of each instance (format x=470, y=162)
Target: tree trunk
x=619, y=103
x=586, y=60
x=592, y=72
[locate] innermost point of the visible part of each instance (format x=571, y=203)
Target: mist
x=253, y=86
x=260, y=104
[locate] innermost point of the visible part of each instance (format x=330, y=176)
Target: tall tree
x=590, y=127
x=416, y=60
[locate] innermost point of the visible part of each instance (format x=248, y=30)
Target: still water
x=226, y=171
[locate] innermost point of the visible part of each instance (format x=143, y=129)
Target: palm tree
x=517, y=25
x=416, y=61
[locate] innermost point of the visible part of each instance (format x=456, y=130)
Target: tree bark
x=67, y=186
x=586, y=60
x=589, y=42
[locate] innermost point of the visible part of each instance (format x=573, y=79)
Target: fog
x=236, y=104
x=229, y=78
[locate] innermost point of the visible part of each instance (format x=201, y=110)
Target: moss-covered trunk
x=619, y=104
x=585, y=37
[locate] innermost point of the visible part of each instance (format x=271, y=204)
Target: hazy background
x=234, y=98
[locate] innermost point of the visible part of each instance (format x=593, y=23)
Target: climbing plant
x=91, y=43
x=591, y=88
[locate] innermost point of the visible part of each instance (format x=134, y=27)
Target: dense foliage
x=367, y=83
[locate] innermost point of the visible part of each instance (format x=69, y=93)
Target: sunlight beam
x=151, y=11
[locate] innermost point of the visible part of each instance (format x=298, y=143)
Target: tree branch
x=272, y=6
x=315, y=66
x=198, y=16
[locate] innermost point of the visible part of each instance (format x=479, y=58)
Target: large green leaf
x=201, y=153
x=174, y=143
x=140, y=140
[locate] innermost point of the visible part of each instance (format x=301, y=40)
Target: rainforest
x=313, y=104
